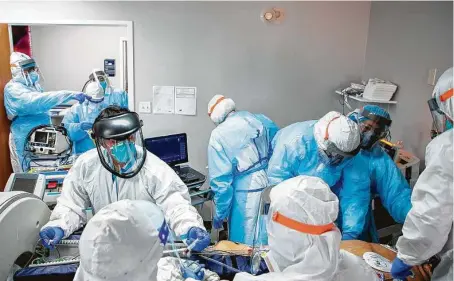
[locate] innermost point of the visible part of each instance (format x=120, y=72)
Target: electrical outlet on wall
x=144, y=107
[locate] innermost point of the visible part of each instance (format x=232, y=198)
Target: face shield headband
x=101, y=78
x=120, y=144
x=30, y=72
x=441, y=121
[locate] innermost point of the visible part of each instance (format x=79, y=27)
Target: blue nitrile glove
x=202, y=237
x=51, y=236
x=79, y=97
x=217, y=223
x=191, y=269
x=86, y=126
x=399, y=270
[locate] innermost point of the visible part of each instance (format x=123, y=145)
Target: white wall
x=287, y=71
x=407, y=39
x=67, y=54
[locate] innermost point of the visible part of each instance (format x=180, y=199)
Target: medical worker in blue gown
x=318, y=148
x=27, y=105
x=79, y=120
x=112, y=95
x=371, y=172
x=238, y=154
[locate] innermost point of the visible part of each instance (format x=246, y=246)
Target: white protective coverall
x=307, y=204
x=121, y=242
x=427, y=229
x=89, y=184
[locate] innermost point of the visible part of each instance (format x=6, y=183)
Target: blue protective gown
x=86, y=112
x=238, y=154
x=295, y=152
x=369, y=173
x=28, y=107
x=116, y=97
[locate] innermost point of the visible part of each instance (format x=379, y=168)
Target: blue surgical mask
x=34, y=76
x=103, y=85
x=124, y=151
x=448, y=125
x=353, y=116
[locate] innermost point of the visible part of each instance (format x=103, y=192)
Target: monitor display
x=24, y=184
x=41, y=137
x=171, y=149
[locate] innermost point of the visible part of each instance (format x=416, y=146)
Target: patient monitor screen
x=41, y=137
x=21, y=184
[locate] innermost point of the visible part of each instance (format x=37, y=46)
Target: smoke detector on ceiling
x=272, y=15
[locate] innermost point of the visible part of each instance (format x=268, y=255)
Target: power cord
x=37, y=251
x=28, y=152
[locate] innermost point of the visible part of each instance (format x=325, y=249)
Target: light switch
x=144, y=107
x=432, y=77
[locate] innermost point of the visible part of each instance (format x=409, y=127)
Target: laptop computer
x=173, y=149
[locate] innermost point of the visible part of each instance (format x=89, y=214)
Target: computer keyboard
x=185, y=174
x=75, y=260
x=190, y=180
x=68, y=242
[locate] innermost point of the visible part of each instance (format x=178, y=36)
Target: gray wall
x=406, y=40
x=287, y=71
x=67, y=54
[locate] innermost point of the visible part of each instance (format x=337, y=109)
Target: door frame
x=129, y=36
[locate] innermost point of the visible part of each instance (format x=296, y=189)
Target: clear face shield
x=97, y=86
x=334, y=156
x=30, y=72
x=441, y=122
x=373, y=129
x=101, y=78
x=119, y=142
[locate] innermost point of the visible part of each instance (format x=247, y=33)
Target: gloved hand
x=399, y=270
x=79, y=97
x=51, y=236
x=86, y=126
x=217, y=223
x=202, y=237
x=191, y=269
